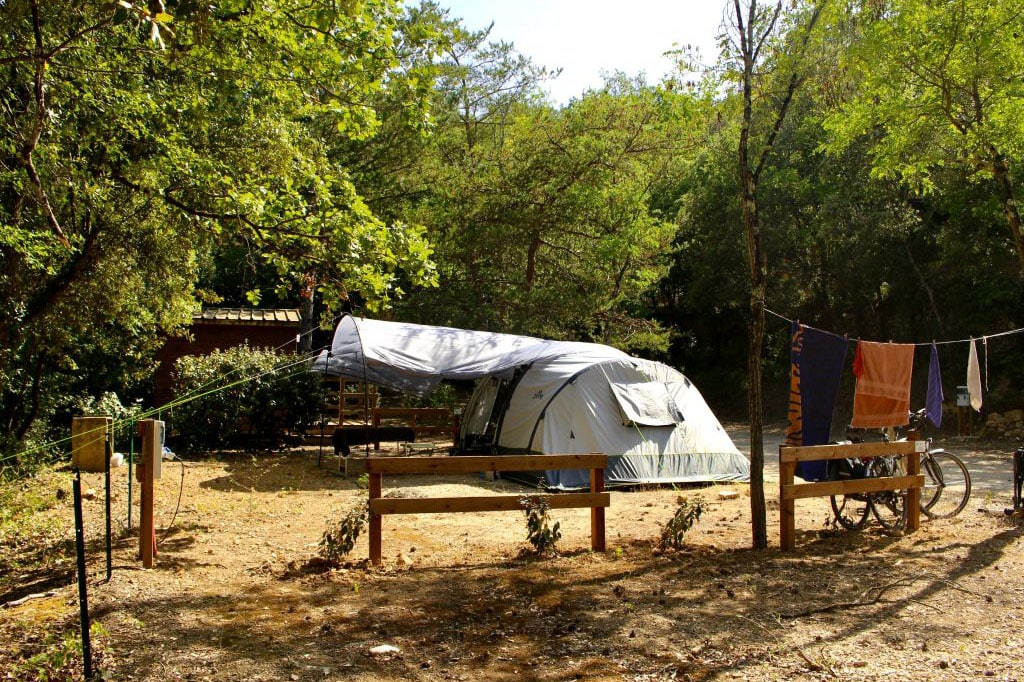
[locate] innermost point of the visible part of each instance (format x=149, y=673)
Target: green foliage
x=443, y=396
x=138, y=143
x=539, y=532
x=109, y=405
x=243, y=391
x=59, y=659
x=940, y=82
x=686, y=515
x=338, y=540
x=938, y=89
x=542, y=219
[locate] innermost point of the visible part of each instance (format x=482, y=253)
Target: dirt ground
x=235, y=595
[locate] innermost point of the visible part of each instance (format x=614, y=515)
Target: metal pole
x=110, y=452
x=83, y=598
x=131, y=457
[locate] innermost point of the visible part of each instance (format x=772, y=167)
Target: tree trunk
x=755, y=392
x=1006, y=194
x=307, y=293
x=757, y=264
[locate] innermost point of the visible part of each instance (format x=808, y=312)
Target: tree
x=938, y=86
x=544, y=223
x=757, y=37
x=135, y=137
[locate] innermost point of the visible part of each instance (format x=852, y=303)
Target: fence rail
x=790, y=491
x=377, y=467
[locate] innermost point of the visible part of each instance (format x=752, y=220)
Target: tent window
x=646, y=404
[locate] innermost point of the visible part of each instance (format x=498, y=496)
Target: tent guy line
x=984, y=338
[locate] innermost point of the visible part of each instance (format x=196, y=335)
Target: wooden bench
x=789, y=491
x=422, y=420
x=377, y=467
x=347, y=436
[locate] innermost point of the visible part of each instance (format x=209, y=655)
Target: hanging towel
x=816, y=368
x=882, y=397
x=974, y=377
x=933, y=401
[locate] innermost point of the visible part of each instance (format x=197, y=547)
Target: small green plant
x=540, y=533
x=339, y=539
x=686, y=515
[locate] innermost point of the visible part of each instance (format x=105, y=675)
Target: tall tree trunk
x=757, y=267
x=755, y=338
x=1006, y=194
x=754, y=30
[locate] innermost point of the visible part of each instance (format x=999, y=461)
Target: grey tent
x=557, y=397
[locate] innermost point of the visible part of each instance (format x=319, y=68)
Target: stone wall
x=1008, y=425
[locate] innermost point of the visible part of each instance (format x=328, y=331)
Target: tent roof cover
x=416, y=358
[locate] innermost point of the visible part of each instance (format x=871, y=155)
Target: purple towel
x=933, y=401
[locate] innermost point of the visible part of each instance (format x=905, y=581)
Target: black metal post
x=110, y=452
x=83, y=598
x=131, y=458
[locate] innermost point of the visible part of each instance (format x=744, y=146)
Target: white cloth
x=974, y=377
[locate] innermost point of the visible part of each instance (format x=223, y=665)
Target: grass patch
x=36, y=539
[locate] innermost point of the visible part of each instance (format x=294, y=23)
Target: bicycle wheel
x=947, y=485
x=851, y=511
x=888, y=506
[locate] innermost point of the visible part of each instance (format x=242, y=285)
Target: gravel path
x=990, y=462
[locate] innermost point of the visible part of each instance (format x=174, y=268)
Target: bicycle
x=947, y=481
x=888, y=507
x=947, y=485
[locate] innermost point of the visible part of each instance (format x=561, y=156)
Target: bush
x=243, y=394
x=108, y=405
x=443, y=396
x=339, y=539
x=686, y=515
x=539, y=532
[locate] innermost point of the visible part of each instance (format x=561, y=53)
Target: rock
x=384, y=650
x=1014, y=416
x=89, y=494
x=727, y=494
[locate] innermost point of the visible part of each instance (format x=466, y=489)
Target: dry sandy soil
x=235, y=595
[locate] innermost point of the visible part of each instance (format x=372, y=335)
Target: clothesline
x=984, y=338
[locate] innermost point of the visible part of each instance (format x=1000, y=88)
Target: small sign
x=963, y=397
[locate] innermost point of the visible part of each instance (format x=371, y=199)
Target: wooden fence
x=789, y=491
x=377, y=467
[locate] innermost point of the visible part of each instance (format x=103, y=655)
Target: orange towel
x=883, y=373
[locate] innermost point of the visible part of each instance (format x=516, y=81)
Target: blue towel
x=817, y=360
x=933, y=401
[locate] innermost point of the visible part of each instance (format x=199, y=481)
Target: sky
x=584, y=38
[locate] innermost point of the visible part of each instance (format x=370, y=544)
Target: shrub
x=686, y=515
x=243, y=393
x=339, y=539
x=108, y=405
x=539, y=532
x=443, y=396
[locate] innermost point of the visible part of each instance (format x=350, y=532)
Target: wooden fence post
x=375, y=520
x=146, y=472
x=597, y=513
x=787, y=507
